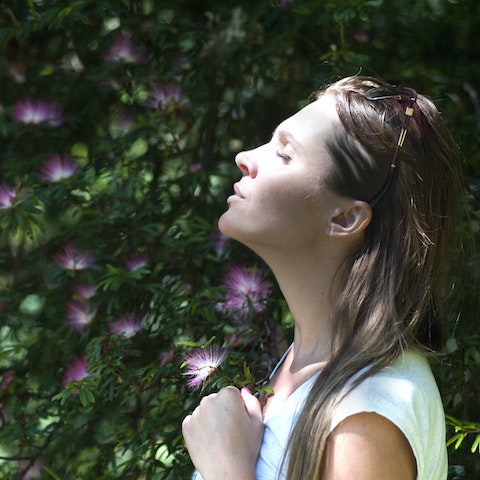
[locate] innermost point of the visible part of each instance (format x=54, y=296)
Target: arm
x=223, y=435
x=367, y=446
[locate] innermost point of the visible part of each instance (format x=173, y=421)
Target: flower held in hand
x=202, y=363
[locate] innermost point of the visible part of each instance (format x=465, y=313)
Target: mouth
x=237, y=194
x=237, y=191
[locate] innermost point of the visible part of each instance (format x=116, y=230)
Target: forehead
x=311, y=123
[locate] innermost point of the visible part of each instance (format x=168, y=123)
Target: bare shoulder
x=367, y=446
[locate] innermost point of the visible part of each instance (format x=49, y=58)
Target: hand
x=224, y=434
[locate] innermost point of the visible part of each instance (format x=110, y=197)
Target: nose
x=246, y=163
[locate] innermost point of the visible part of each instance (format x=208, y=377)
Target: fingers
x=228, y=423
x=186, y=420
x=228, y=398
x=252, y=404
x=214, y=404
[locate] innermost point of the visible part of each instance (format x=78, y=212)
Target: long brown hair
x=393, y=287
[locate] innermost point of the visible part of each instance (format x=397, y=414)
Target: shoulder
x=403, y=389
x=402, y=399
x=371, y=444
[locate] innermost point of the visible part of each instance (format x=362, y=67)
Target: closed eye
x=284, y=157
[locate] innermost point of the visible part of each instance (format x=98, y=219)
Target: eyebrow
x=285, y=135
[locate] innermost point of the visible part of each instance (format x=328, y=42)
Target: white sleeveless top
x=404, y=392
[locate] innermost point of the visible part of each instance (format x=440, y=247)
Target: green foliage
x=462, y=431
x=156, y=97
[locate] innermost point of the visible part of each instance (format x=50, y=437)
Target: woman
x=352, y=204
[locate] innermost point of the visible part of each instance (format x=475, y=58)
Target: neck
x=308, y=292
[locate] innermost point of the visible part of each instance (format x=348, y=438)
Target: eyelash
x=283, y=156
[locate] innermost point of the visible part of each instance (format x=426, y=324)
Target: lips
x=237, y=191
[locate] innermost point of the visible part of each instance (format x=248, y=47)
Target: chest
x=284, y=385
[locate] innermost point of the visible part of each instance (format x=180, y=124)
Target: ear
x=351, y=218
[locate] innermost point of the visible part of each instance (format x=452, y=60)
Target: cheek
x=287, y=211
x=299, y=196
x=296, y=212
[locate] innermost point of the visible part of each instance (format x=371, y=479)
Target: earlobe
x=354, y=218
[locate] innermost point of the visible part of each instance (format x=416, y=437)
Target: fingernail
x=247, y=390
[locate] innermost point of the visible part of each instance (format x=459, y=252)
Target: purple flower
x=7, y=196
x=203, y=362
x=31, y=472
x=245, y=289
x=166, y=358
x=123, y=51
x=76, y=371
x=136, y=261
x=361, y=37
x=194, y=167
x=8, y=377
x=84, y=290
x=38, y=111
x=220, y=243
x=126, y=326
x=4, y=416
x=79, y=314
x=16, y=71
x=166, y=97
x=123, y=121
x=58, y=168
x=70, y=258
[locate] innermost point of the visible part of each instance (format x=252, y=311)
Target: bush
x=119, y=121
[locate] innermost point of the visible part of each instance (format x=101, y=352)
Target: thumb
x=252, y=405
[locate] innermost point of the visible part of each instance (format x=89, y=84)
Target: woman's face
x=281, y=200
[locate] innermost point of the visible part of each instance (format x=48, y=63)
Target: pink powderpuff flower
x=361, y=37
x=31, y=472
x=220, y=243
x=166, y=97
x=166, y=358
x=58, y=168
x=123, y=121
x=70, y=258
x=16, y=71
x=7, y=196
x=126, y=326
x=79, y=314
x=136, y=261
x=34, y=112
x=245, y=288
x=8, y=377
x=4, y=416
x=84, y=290
x=76, y=371
x=201, y=363
x=194, y=167
x=123, y=51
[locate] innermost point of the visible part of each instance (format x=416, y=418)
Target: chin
x=232, y=231
x=225, y=226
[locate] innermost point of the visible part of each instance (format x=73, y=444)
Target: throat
x=286, y=381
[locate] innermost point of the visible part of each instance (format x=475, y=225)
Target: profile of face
x=282, y=200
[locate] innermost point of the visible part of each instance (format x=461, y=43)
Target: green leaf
x=83, y=398
x=476, y=444
x=188, y=344
x=86, y=397
x=62, y=396
x=90, y=396
x=457, y=440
